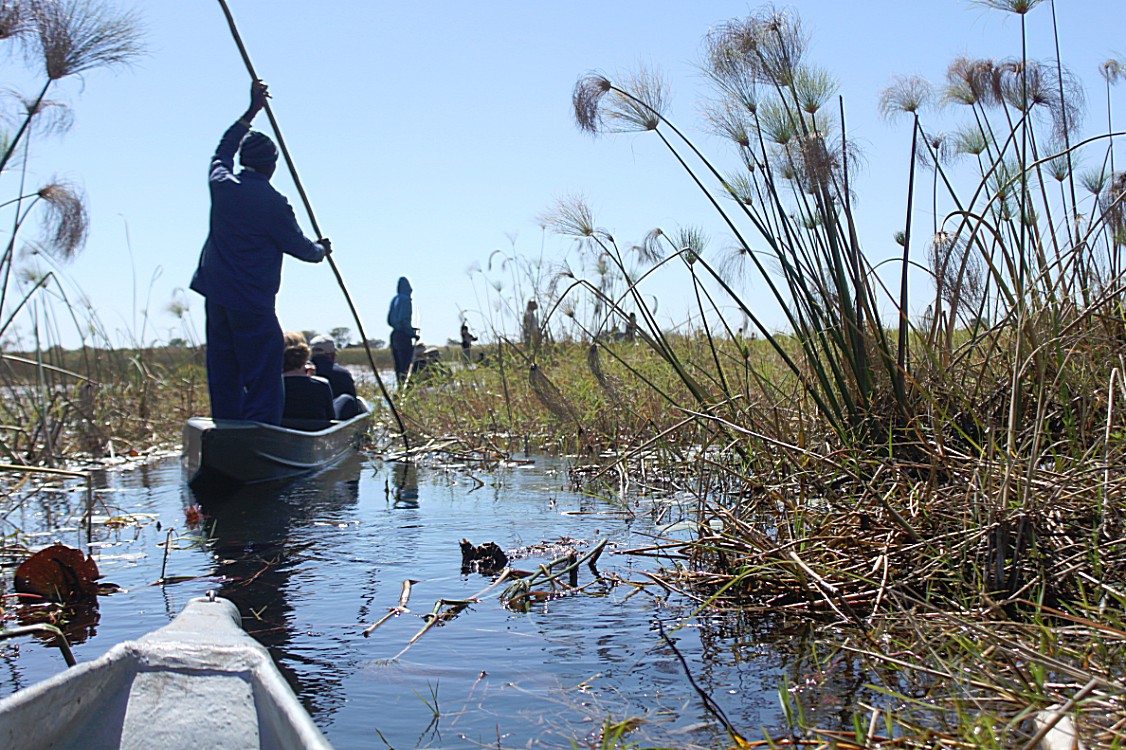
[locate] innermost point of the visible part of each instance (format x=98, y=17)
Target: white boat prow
x=198, y=682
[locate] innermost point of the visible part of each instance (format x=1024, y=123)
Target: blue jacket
x=399, y=316
x=252, y=225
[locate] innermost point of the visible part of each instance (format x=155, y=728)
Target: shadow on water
x=259, y=539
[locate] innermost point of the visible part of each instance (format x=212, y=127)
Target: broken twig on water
x=436, y=616
x=400, y=609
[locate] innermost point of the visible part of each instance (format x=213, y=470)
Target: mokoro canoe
x=220, y=453
x=198, y=682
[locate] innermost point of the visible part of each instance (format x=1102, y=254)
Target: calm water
x=313, y=563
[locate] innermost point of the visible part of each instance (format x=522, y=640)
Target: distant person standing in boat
x=531, y=330
x=399, y=317
x=251, y=226
x=631, y=328
x=467, y=340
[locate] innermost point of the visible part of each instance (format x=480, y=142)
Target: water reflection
x=405, y=478
x=78, y=622
x=260, y=539
x=313, y=563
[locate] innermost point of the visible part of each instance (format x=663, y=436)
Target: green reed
x=44, y=409
x=939, y=496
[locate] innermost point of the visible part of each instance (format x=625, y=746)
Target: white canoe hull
x=198, y=683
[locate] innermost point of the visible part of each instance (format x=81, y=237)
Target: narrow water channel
x=313, y=563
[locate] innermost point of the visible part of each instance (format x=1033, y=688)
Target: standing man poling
x=251, y=226
x=402, y=332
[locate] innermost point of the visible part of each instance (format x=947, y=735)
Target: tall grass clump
x=938, y=495
x=941, y=494
x=792, y=195
x=51, y=406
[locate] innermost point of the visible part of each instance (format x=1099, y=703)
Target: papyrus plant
x=60, y=39
x=788, y=206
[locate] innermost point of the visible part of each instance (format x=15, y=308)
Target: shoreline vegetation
x=935, y=504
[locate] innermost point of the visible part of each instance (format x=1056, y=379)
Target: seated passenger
x=306, y=396
x=346, y=406
x=324, y=357
x=343, y=386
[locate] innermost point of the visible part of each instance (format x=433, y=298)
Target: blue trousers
x=245, y=349
x=402, y=351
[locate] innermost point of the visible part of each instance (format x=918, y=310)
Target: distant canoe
x=198, y=682
x=222, y=453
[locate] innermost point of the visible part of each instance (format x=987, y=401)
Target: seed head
x=639, y=104
x=1112, y=70
x=906, y=95
x=13, y=19
x=586, y=99
x=78, y=35
x=1019, y=7
x=65, y=223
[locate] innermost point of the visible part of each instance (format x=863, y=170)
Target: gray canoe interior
x=199, y=682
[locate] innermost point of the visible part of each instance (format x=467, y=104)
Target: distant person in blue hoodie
x=402, y=332
x=252, y=225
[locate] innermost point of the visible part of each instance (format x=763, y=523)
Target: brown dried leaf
x=59, y=573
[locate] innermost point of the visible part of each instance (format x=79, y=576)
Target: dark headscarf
x=257, y=150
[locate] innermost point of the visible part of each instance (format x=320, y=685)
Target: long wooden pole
x=316, y=227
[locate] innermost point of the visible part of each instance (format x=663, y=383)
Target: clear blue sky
x=429, y=135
